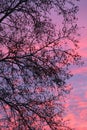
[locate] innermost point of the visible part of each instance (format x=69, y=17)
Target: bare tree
x=34, y=61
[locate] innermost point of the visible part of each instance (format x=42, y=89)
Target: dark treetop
x=34, y=59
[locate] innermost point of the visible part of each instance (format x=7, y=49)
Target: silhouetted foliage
x=34, y=59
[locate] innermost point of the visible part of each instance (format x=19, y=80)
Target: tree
x=34, y=62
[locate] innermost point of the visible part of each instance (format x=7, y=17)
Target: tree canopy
x=35, y=56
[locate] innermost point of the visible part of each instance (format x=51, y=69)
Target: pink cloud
x=79, y=70
x=85, y=95
x=77, y=111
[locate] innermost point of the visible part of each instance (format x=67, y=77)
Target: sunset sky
x=27, y=67
x=77, y=112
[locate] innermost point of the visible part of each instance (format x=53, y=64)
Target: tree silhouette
x=34, y=61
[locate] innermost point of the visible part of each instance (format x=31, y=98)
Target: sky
x=77, y=100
